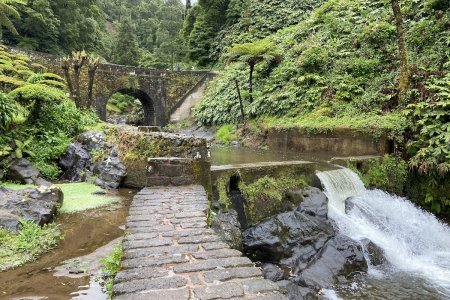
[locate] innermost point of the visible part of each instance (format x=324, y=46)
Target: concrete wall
x=340, y=143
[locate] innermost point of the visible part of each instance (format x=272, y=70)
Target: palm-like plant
x=7, y=11
x=252, y=54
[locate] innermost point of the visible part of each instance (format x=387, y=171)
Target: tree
x=252, y=54
x=404, y=79
x=38, y=27
x=7, y=11
x=169, y=46
x=72, y=67
x=209, y=21
x=82, y=25
x=127, y=51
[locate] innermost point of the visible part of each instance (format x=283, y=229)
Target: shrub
x=8, y=110
x=37, y=98
x=226, y=134
x=390, y=174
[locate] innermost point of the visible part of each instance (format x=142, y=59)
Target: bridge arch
x=148, y=104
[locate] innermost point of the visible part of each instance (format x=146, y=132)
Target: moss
x=266, y=196
x=77, y=196
x=223, y=188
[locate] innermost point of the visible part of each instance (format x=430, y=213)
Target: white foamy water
x=413, y=240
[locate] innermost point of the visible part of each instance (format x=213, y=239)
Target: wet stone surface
x=169, y=253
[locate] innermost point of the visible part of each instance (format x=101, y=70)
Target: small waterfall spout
x=413, y=241
x=340, y=185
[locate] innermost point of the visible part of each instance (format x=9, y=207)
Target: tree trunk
x=241, y=106
x=65, y=65
x=250, y=82
x=404, y=79
x=93, y=66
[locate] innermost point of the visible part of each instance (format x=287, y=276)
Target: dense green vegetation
x=33, y=240
x=143, y=32
x=121, y=106
x=340, y=68
x=38, y=119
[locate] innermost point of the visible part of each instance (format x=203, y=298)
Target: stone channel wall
x=342, y=142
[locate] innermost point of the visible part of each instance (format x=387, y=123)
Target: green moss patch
x=267, y=196
x=79, y=197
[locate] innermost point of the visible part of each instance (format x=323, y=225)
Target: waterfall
x=413, y=241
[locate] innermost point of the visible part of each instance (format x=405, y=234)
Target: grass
x=77, y=196
x=32, y=240
x=111, y=265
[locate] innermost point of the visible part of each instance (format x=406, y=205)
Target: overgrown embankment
x=338, y=68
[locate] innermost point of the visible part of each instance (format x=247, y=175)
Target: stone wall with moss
x=265, y=190
x=136, y=148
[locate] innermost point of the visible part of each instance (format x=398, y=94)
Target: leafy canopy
x=252, y=53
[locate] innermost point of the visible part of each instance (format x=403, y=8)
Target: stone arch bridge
x=161, y=92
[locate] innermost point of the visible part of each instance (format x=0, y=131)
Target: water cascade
x=413, y=241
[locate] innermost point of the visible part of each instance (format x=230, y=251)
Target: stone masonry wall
x=158, y=158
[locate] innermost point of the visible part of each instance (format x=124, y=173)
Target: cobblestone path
x=169, y=253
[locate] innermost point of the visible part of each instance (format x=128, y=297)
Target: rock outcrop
x=79, y=163
x=38, y=205
x=76, y=163
x=305, y=242
x=21, y=170
x=227, y=226
x=111, y=173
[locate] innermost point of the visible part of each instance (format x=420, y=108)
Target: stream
x=414, y=243
x=84, y=233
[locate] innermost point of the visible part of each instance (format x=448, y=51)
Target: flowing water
x=416, y=245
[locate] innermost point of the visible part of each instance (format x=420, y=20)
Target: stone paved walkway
x=169, y=253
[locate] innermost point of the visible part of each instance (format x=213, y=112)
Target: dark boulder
x=92, y=140
x=272, y=272
x=296, y=292
x=22, y=170
x=339, y=259
x=76, y=163
x=228, y=227
x=111, y=173
x=315, y=203
x=36, y=205
x=375, y=253
x=276, y=238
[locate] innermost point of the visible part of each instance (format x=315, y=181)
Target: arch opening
x=128, y=106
